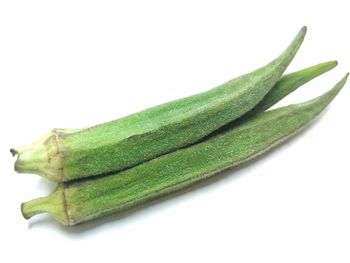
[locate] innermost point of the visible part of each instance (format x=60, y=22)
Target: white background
x=79, y=63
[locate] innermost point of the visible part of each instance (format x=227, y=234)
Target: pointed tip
x=343, y=80
x=301, y=34
x=331, y=94
x=329, y=65
x=304, y=29
x=289, y=53
x=332, y=63
x=319, y=103
x=325, y=66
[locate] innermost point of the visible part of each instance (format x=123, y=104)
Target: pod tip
x=324, y=67
x=329, y=65
x=304, y=29
x=334, y=62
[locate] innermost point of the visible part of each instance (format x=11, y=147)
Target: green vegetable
x=289, y=83
x=63, y=156
x=76, y=202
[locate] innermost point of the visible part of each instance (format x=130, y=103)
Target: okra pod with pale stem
x=76, y=202
x=117, y=145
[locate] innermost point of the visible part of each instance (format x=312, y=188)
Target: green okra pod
x=63, y=156
x=289, y=83
x=286, y=85
x=76, y=202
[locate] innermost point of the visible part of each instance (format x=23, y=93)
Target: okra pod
x=63, y=156
x=289, y=83
x=76, y=202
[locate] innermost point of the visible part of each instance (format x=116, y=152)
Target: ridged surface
x=143, y=136
x=93, y=198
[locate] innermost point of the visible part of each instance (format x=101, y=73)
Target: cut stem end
x=53, y=204
x=42, y=157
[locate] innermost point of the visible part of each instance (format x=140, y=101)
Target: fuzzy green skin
x=88, y=199
x=289, y=83
x=43, y=159
x=286, y=85
x=129, y=141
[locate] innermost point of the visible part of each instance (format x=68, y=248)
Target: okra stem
x=54, y=204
